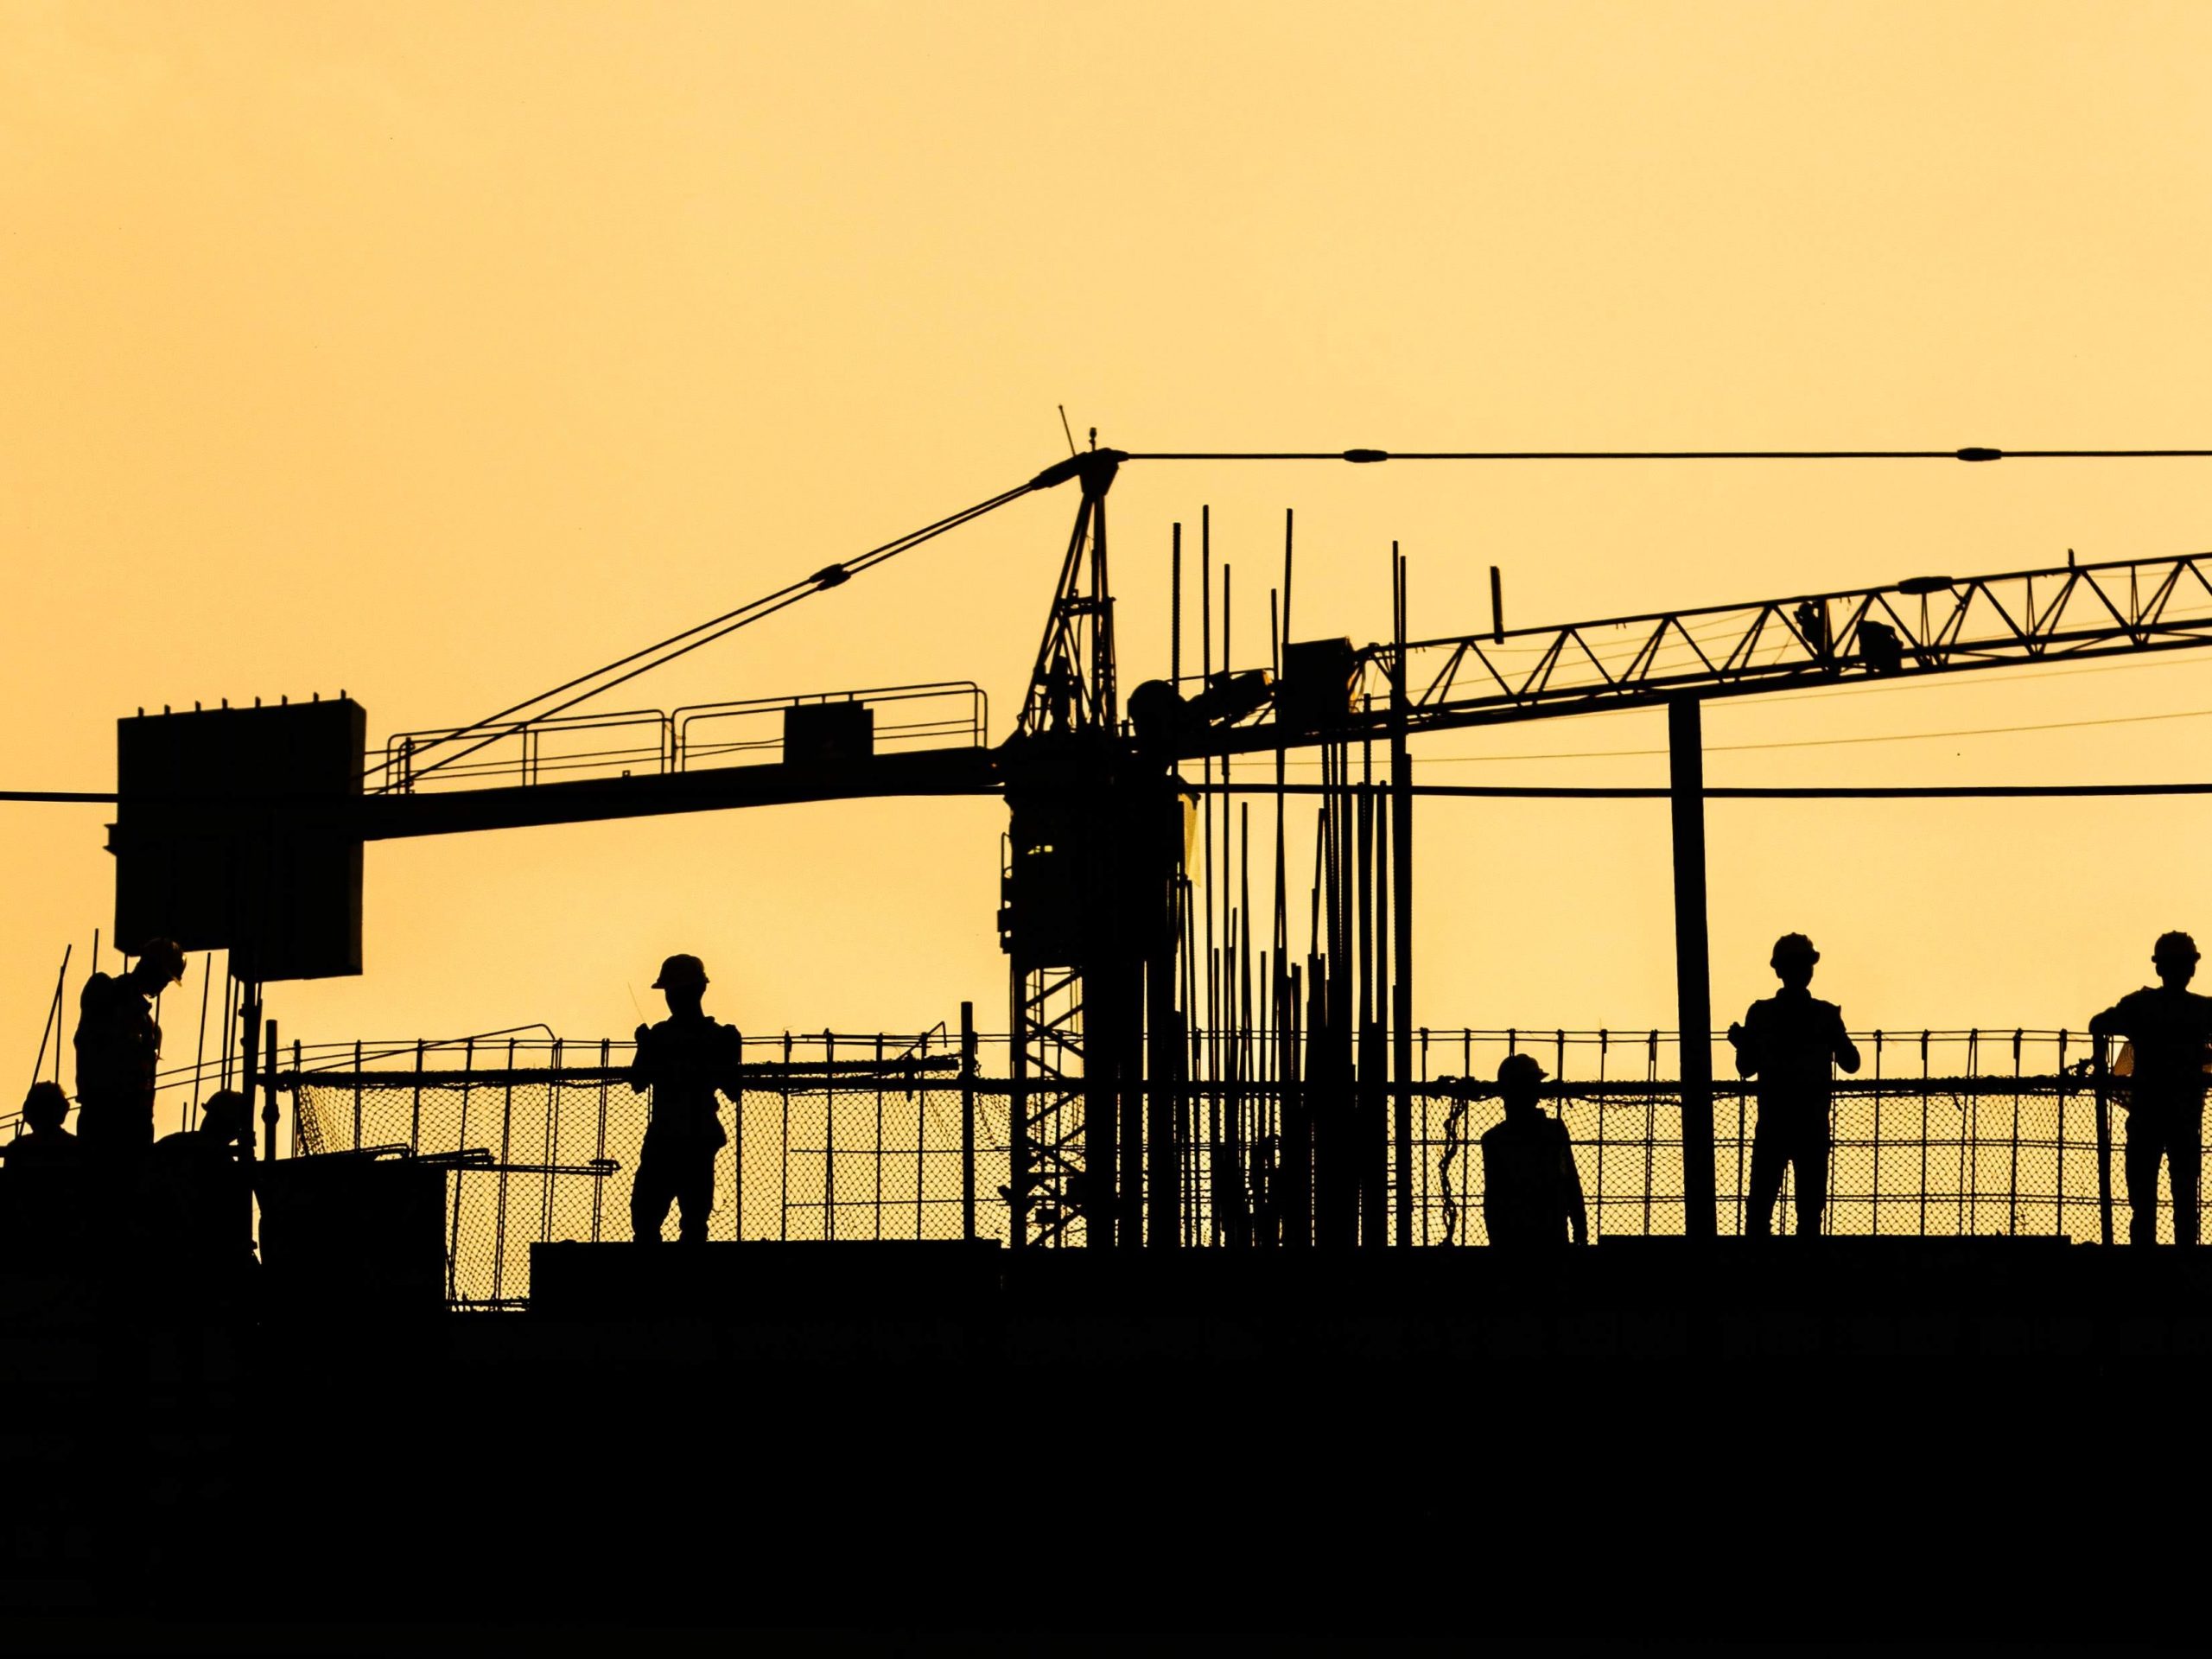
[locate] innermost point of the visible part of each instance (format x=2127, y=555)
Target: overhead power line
x=1364, y=457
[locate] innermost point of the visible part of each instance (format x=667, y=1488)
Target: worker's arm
x=641, y=1078
x=2107, y=1024
x=1578, y=1216
x=1744, y=1041
x=1489, y=1204
x=732, y=1080
x=1846, y=1050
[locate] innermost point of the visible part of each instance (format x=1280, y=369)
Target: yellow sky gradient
x=435, y=353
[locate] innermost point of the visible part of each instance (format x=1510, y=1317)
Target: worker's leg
x=1769, y=1154
x=650, y=1193
x=2184, y=1159
x=1810, y=1154
x=695, y=1197
x=2145, y=1142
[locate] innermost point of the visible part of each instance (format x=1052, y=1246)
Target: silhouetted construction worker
x=1532, y=1192
x=41, y=1143
x=41, y=1190
x=684, y=1060
x=1790, y=1042
x=199, y=1200
x=2169, y=1025
x=118, y=1049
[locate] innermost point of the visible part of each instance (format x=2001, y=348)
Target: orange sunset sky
x=435, y=352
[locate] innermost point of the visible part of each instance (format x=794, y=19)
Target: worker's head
x=682, y=981
x=1793, y=960
x=1519, y=1077
x=161, y=964
x=225, y=1116
x=45, y=1107
x=2175, y=957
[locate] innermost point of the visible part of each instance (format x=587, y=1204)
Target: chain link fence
x=1941, y=1134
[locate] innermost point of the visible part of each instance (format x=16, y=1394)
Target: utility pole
x=1692, y=962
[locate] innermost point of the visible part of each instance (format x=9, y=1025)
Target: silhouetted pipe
x=1692, y=967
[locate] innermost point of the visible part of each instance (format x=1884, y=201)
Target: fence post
x=357, y=1095
x=968, y=1119
x=2104, y=1138
x=296, y=1096
x=598, y=1151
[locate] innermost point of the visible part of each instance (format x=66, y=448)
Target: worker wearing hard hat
x=2169, y=1025
x=119, y=1051
x=1532, y=1192
x=684, y=1060
x=1791, y=1042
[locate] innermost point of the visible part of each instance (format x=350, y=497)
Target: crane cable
x=505, y=723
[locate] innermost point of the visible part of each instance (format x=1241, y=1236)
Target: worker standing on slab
x=2169, y=1025
x=1791, y=1042
x=1532, y=1192
x=685, y=1061
x=118, y=1051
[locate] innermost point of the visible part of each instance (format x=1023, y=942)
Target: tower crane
x=1094, y=879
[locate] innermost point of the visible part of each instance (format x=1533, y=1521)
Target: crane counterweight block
x=237, y=829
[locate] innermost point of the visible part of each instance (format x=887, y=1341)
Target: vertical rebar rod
x=357, y=1094
x=784, y=1182
x=1401, y=898
x=828, y=1135
x=199, y=1054
x=296, y=1096
x=879, y=1143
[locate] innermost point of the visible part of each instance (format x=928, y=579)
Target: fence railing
x=878, y=1136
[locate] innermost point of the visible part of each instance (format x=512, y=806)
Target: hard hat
x=163, y=955
x=2172, y=946
x=681, y=970
x=1794, y=947
x=1519, y=1068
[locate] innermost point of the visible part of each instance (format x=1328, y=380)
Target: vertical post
x=968, y=1119
x=1401, y=915
x=1693, y=967
x=268, y=1092
x=2104, y=1139
x=296, y=1096
x=250, y=1042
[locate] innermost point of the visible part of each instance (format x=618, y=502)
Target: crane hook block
x=831, y=575
x=1981, y=454
x=1361, y=456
